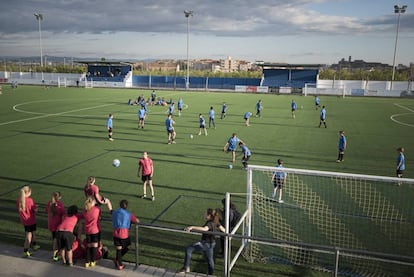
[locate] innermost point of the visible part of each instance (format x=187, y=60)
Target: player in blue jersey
x=211, y=116
x=259, y=108
x=171, y=108
x=109, y=125
x=142, y=114
x=223, y=110
x=231, y=146
x=180, y=106
x=202, y=124
x=246, y=117
x=341, y=146
x=293, y=106
x=400, y=162
x=278, y=180
x=322, y=117
x=246, y=154
x=169, y=125
x=317, y=102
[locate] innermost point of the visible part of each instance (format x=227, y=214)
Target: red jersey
x=92, y=218
x=54, y=219
x=68, y=223
x=91, y=190
x=123, y=233
x=28, y=216
x=146, y=165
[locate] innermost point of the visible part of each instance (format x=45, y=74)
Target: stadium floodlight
x=39, y=18
x=398, y=10
x=188, y=14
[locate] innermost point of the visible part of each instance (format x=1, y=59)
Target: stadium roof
x=107, y=63
x=288, y=66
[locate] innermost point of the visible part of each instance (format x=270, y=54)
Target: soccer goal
x=369, y=219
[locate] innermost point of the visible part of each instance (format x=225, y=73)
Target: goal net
x=370, y=219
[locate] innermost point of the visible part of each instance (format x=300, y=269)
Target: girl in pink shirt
x=55, y=211
x=65, y=235
x=27, y=212
x=91, y=215
x=92, y=190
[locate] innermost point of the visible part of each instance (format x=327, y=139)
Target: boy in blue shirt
x=169, y=125
x=246, y=154
x=231, y=146
x=246, y=117
x=109, y=126
x=293, y=106
x=202, y=124
x=322, y=117
x=211, y=115
x=223, y=110
x=278, y=180
x=142, y=113
x=259, y=108
x=400, y=162
x=341, y=146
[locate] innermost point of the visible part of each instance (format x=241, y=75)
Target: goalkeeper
x=278, y=180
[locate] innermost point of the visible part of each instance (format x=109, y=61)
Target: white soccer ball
x=191, y=136
x=116, y=163
x=230, y=166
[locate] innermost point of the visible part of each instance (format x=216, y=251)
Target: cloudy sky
x=294, y=31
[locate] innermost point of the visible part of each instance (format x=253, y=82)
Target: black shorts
x=399, y=172
x=65, y=240
x=124, y=243
x=54, y=234
x=278, y=184
x=202, y=126
x=30, y=228
x=109, y=130
x=146, y=178
x=92, y=238
x=170, y=131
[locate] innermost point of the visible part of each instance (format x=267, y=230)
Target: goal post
x=334, y=210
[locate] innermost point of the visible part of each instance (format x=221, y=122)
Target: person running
x=27, y=213
x=317, y=102
x=400, y=162
x=91, y=215
x=341, y=146
x=55, y=211
x=180, y=106
x=246, y=117
x=202, y=122
x=65, y=235
x=207, y=242
x=322, y=117
x=109, y=125
x=145, y=164
x=278, y=180
x=121, y=223
x=142, y=114
x=169, y=124
x=259, y=108
x=92, y=190
x=246, y=154
x=293, y=106
x=223, y=110
x=211, y=116
x=231, y=146
x=171, y=108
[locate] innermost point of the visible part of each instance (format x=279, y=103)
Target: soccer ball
x=191, y=136
x=230, y=166
x=116, y=163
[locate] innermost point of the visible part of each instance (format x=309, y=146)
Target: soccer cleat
x=120, y=267
x=27, y=254
x=144, y=196
x=111, y=139
x=92, y=264
x=153, y=198
x=55, y=258
x=70, y=264
x=87, y=264
x=184, y=270
x=338, y=161
x=280, y=201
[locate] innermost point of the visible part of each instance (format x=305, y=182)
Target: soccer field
x=53, y=139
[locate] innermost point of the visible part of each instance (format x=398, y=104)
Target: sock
x=94, y=251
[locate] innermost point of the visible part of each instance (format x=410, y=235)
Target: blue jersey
x=141, y=113
x=293, y=105
x=247, y=115
x=317, y=101
x=169, y=124
x=323, y=114
x=171, y=109
x=246, y=152
x=233, y=141
x=180, y=104
x=121, y=218
x=259, y=106
x=211, y=114
x=279, y=175
x=202, y=122
x=401, y=162
x=224, y=108
x=342, y=142
x=109, y=123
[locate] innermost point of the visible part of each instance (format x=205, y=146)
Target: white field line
x=394, y=116
x=48, y=115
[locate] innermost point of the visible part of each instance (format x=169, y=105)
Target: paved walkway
x=40, y=264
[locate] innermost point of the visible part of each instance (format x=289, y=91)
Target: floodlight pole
x=398, y=10
x=187, y=14
x=39, y=18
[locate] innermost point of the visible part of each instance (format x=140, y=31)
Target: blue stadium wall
x=195, y=82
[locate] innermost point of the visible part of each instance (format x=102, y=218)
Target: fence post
x=335, y=273
x=136, y=247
